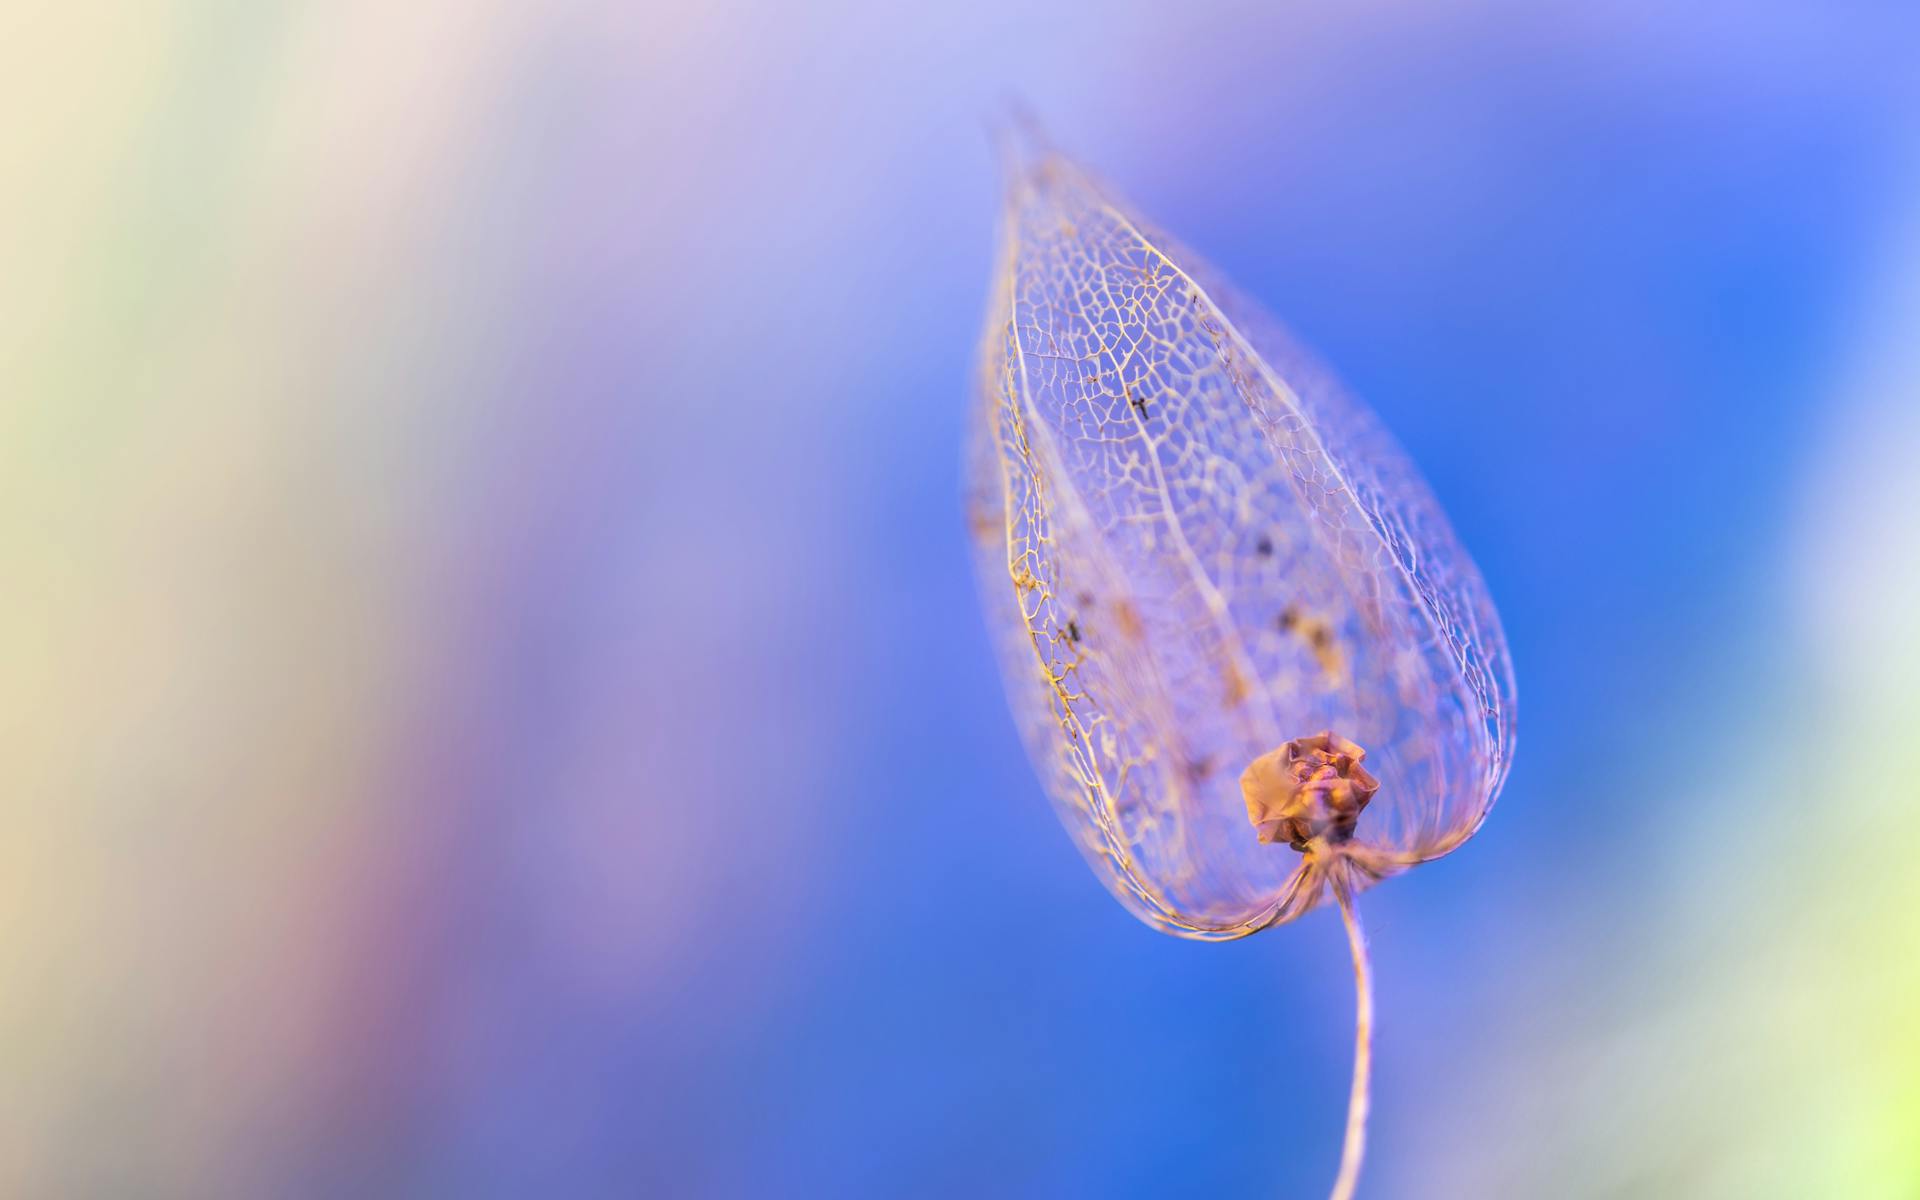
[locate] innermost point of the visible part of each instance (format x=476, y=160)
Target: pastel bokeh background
x=491, y=696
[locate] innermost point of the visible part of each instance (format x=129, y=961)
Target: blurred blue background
x=497, y=703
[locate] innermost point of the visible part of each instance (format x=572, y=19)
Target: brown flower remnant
x=1311, y=789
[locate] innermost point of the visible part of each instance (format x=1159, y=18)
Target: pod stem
x=1359, y=1100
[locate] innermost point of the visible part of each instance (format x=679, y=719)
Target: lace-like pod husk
x=1194, y=547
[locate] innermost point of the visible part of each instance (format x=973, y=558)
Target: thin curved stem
x=1360, y=1098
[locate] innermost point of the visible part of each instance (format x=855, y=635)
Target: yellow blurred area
x=213, y=567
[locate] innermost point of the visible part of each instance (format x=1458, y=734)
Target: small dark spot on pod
x=1073, y=630
x=1289, y=618
x=1265, y=546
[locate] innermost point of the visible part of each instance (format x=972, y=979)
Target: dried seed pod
x=1312, y=789
x=1195, y=549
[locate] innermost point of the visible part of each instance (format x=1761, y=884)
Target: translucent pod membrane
x=1195, y=548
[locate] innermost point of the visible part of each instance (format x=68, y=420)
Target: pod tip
x=1019, y=141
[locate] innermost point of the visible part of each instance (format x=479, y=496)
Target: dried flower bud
x=1311, y=788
